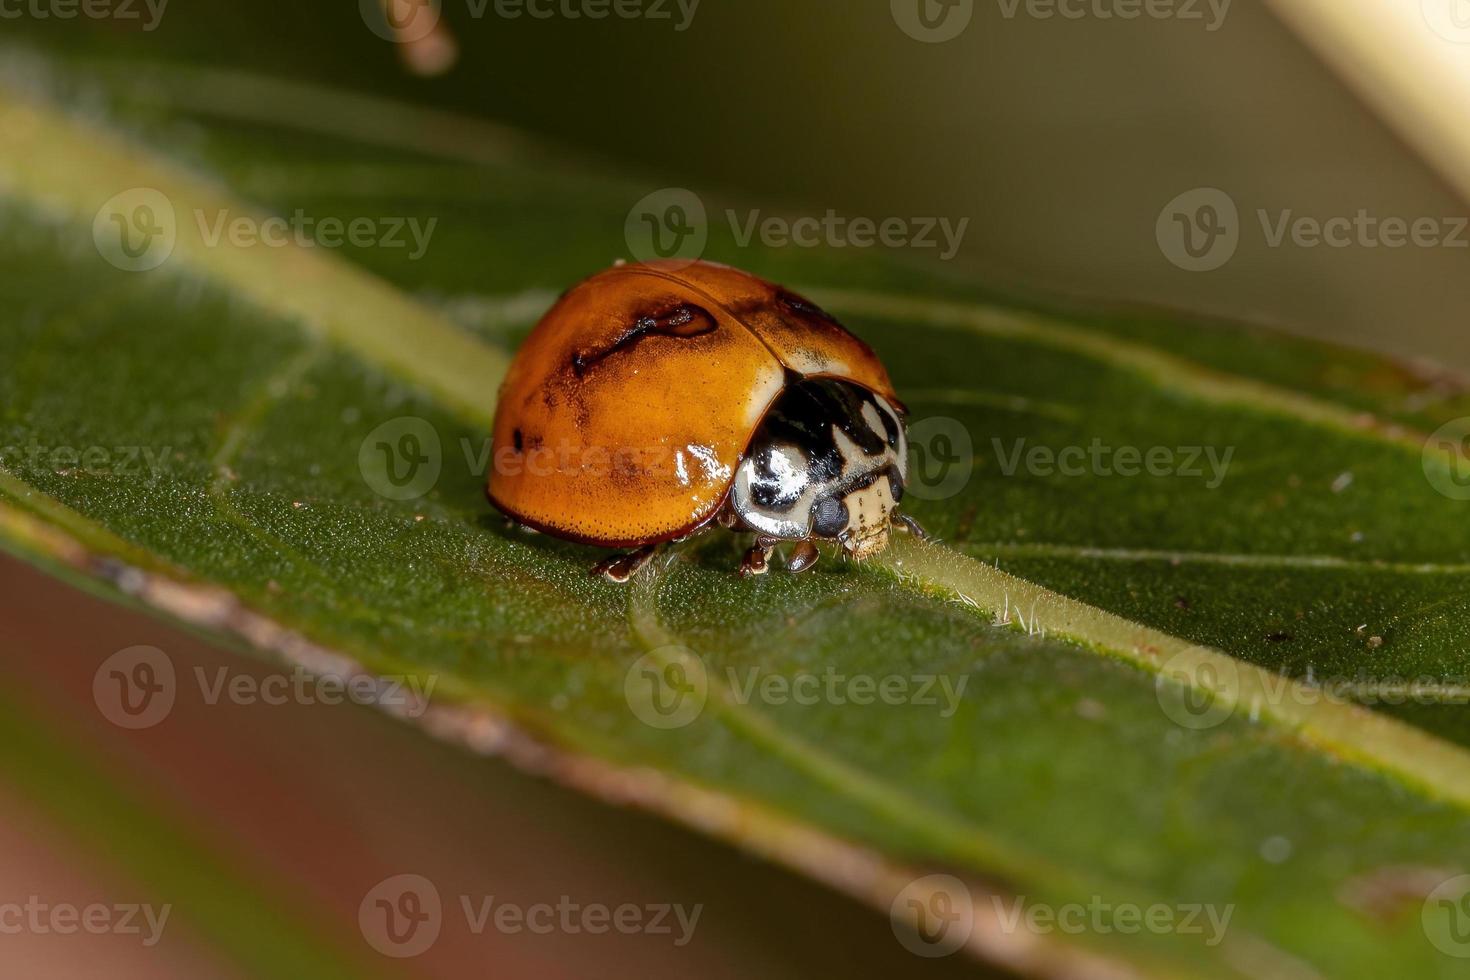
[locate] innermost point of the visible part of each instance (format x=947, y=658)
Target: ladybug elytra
x=656, y=400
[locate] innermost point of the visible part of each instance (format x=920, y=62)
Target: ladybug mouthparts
x=869, y=510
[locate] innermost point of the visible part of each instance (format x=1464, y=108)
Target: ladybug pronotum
x=656, y=400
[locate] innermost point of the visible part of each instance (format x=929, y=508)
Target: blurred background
x=1179, y=160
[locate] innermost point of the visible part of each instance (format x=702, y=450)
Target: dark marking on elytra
x=803, y=306
x=519, y=439
x=680, y=320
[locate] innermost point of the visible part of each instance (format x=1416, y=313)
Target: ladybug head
x=860, y=518
x=829, y=462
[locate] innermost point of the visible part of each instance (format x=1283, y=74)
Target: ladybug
x=657, y=400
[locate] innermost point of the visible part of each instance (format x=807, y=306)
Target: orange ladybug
x=656, y=400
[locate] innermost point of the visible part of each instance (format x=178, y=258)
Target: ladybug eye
x=829, y=517
x=896, y=485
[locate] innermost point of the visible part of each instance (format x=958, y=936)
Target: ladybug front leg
x=803, y=556
x=758, y=559
x=620, y=568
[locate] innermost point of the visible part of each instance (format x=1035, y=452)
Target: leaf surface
x=1103, y=686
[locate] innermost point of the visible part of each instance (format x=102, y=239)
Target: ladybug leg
x=803, y=556
x=620, y=568
x=912, y=526
x=758, y=559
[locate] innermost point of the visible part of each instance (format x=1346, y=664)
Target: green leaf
x=1104, y=692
